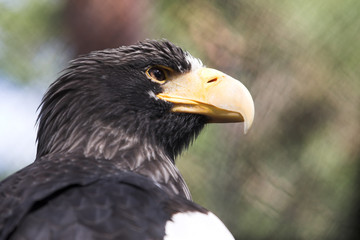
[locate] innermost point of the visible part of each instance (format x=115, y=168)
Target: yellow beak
x=211, y=93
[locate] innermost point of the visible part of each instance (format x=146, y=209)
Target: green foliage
x=26, y=28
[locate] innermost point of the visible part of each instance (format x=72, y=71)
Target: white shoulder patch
x=196, y=225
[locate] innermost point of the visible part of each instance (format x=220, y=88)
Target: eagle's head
x=152, y=93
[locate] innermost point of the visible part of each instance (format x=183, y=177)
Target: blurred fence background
x=295, y=175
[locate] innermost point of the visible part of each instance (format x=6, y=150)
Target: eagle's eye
x=157, y=74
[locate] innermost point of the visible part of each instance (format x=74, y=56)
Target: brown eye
x=157, y=74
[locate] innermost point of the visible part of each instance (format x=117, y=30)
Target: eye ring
x=157, y=74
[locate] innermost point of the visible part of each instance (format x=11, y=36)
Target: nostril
x=212, y=80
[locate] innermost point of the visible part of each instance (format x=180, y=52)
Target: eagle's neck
x=125, y=149
x=138, y=154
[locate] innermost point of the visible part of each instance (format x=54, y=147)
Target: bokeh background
x=295, y=175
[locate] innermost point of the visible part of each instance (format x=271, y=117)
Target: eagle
x=109, y=130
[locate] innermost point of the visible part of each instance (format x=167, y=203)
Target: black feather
x=80, y=197
x=109, y=89
x=106, y=148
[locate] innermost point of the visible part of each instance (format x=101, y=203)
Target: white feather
x=152, y=95
x=196, y=225
x=195, y=62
